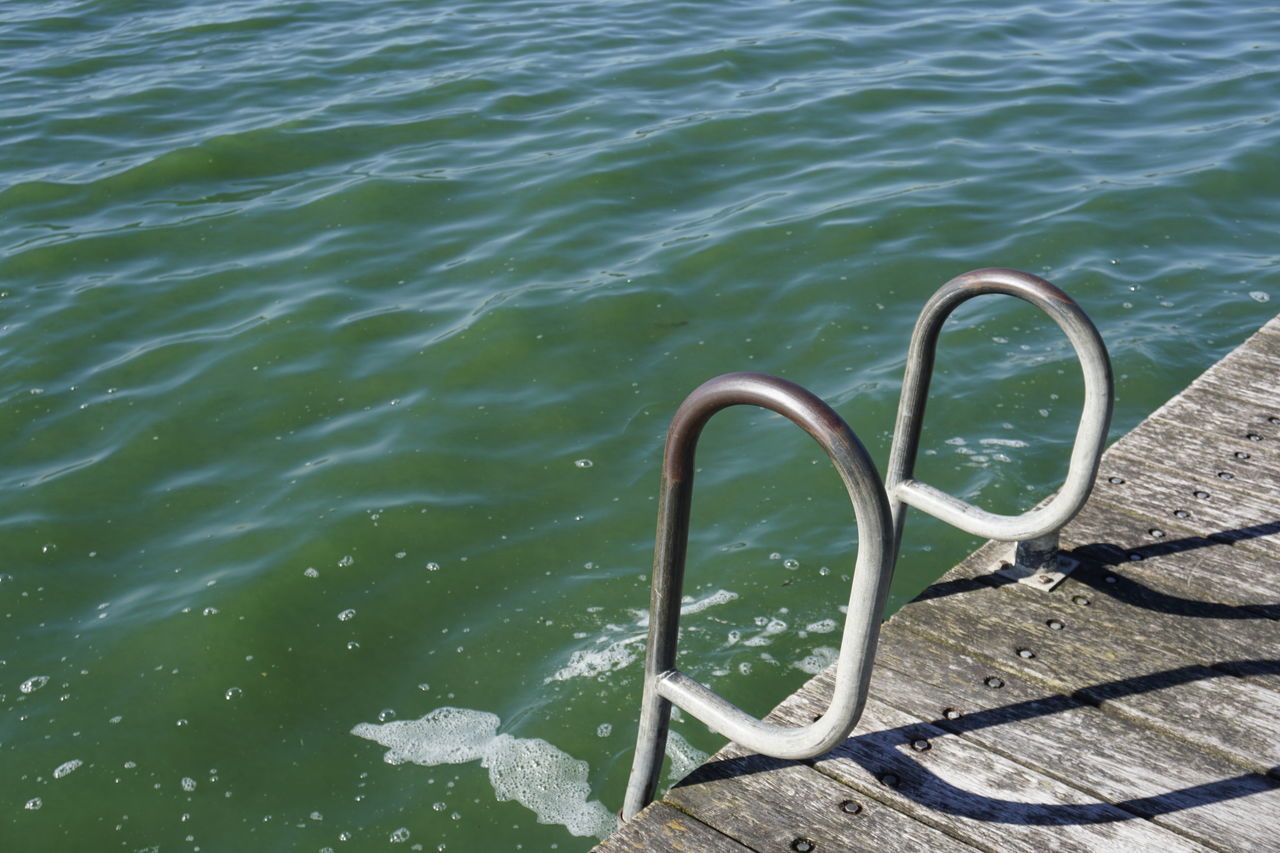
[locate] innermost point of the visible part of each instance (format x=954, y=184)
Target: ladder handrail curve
x=663, y=683
x=1091, y=434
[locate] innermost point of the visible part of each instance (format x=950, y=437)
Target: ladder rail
x=1037, y=528
x=879, y=512
x=663, y=683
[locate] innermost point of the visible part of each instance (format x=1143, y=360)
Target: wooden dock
x=1136, y=706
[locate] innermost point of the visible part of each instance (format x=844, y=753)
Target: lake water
x=338, y=341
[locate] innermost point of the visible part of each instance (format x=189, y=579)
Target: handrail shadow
x=880, y=754
x=1130, y=591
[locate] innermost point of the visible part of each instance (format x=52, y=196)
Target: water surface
x=338, y=341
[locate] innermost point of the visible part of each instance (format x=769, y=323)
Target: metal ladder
x=879, y=510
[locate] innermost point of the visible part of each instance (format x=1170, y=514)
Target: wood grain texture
x=660, y=827
x=1206, y=706
x=977, y=794
x=767, y=804
x=1194, y=792
x=1225, y=569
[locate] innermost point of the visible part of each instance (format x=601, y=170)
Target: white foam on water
x=530, y=771
x=34, y=683
x=550, y=783
x=822, y=657
x=720, y=596
x=685, y=757
x=67, y=767
x=445, y=736
x=690, y=604
x=587, y=663
x=1003, y=442
x=823, y=626
x=772, y=627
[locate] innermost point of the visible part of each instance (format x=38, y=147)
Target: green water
x=338, y=340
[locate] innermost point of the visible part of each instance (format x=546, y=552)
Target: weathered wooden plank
x=661, y=828
x=1146, y=610
x=1213, y=438
x=1199, y=499
x=768, y=804
x=1220, y=569
x=1197, y=793
x=1208, y=446
x=1205, y=706
x=980, y=796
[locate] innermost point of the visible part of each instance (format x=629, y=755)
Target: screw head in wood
x=994, y=683
x=803, y=845
x=850, y=807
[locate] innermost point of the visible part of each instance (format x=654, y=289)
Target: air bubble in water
x=211, y=611
x=311, y=573
x=347, y=615
x=433, y=567
x=33, y=804
x=346, y=561
x=584, y=463
x=188, y=784
x=386, y=715
x=34, y=683
x=399, y=836
x=791, y=564
x=604, y=729
x=234, y=693
x=353, y=645
x=1259, y=296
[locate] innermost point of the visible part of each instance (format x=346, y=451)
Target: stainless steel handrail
x=879, y=510
x=1036, y=530
x=663, y=683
